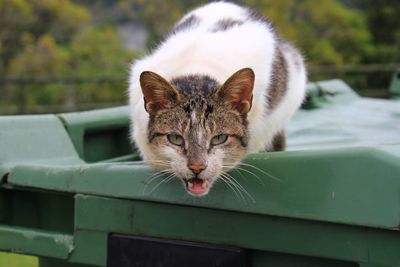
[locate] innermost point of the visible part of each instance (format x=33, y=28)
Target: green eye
x=219, y=139
x=175, y=139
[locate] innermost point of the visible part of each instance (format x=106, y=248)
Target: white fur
x=219, y=55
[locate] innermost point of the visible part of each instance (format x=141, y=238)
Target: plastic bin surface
x=68, y=181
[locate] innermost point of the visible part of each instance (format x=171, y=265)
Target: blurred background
x=69, y=55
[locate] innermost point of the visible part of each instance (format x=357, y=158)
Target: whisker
x=241, y=175
x=165, y=180
x=239, y=186
x=160, y=162
x=250, y=172
x=158, y=174
x=238, y=169
x=260, y=170
x=228, y=183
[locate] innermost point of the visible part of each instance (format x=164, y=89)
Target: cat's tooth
x=190, y=185
x=204, y=185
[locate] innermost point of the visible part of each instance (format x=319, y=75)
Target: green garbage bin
x=394, y=87
x=73, y=193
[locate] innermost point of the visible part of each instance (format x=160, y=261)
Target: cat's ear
x=237, y=91
x=158, y=93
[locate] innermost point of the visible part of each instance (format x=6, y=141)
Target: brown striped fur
x=279, y=142
x=279, y=80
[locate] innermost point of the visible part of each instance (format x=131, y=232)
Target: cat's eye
x=175, y=139
x=219, y=139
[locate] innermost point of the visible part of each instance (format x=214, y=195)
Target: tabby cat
x=221, y=85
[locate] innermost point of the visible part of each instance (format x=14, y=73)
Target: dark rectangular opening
x=37, y=209
x=134, y=251
x=106, y=144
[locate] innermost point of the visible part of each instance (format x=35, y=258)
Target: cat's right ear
x=158, y=93
x=237, y=91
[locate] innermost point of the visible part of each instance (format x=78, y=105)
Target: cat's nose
x=196, y=167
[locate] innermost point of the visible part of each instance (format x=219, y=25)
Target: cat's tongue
x=197, y=186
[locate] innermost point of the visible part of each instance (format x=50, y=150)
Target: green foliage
x=52, y=38
x=157, y=15
x=11, y=27
x=41, y=57
x=18, y=18
x=15, y=260
x=98, y=51
x=384, y=24
x=327, y=32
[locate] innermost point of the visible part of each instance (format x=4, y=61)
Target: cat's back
x=217, y=39
x=208, y=16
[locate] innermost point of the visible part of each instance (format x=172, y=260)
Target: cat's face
x=197, y=128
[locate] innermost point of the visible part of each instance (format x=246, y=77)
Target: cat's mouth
x=197, y=187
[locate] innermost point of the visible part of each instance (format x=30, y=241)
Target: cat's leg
x=278, y=143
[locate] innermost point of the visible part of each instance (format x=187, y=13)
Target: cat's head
x=197, y=127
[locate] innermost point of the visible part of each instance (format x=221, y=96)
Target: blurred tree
x=94, y=52
x=60, y=37
x=326, y=31
x=42, y=57
x=47, y=38
x=11, y=27
x=99, y=52
x=384, y=24
x=157, y=15
x=60, y=19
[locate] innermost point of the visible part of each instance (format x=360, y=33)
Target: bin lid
x=340, y=118
x=343, y=165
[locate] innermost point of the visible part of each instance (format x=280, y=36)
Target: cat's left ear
x=158, y=93
x=237, y=91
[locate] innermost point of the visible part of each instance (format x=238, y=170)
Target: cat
x=221, y=85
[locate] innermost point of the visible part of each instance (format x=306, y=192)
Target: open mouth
x=197, y=187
